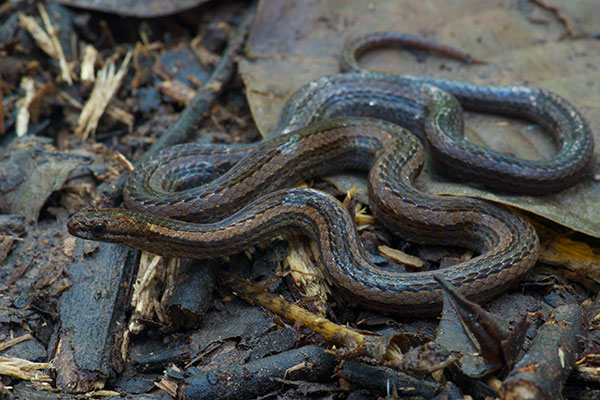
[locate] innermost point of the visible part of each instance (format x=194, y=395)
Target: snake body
x=412, y=102
x=507, y=243
x=248, y=201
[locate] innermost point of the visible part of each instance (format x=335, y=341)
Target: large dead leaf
x=295, y=42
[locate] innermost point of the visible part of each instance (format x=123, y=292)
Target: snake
x=205, y=201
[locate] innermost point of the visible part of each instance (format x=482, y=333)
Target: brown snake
x=247, y=204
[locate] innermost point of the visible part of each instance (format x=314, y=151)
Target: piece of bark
x=155, y=355
x=543, y=370
x=383, y=380
x=92, y=317
x=189, y=298
x=256, y=378
x=273, y=342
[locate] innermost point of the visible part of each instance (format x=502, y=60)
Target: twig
x=542, y=372
x=10, y=343
x=379, y=348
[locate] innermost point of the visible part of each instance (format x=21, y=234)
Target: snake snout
x=77, y=228
x=74, y=227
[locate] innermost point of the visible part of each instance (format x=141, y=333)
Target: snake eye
x=98, y=229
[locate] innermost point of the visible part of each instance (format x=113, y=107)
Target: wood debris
x=88, y=59
x=178, y=91
x=401, y=257
x=23, y=115
x=47, y=40
x=107, y=83
x=25, y=369
x=306, y=275
x=144, y=291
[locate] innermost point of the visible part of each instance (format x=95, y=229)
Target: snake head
x=108, y=225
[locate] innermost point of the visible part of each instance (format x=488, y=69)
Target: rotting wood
x=542, y=372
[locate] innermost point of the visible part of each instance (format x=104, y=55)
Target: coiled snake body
x=235, y=197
